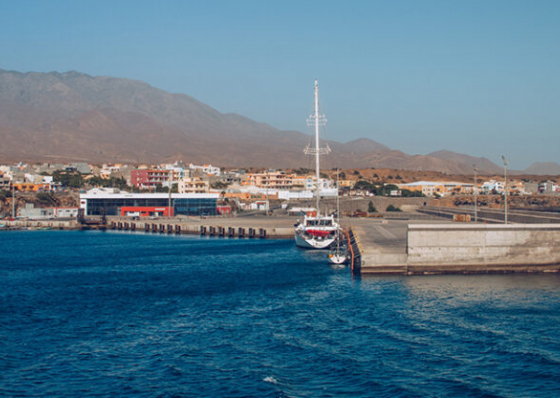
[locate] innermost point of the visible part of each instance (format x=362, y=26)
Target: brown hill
x=74, y=116
x=543, y=168
x=467, y=161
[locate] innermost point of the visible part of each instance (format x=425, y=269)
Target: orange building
x=30, y=187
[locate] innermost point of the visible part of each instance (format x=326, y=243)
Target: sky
x=474, y=77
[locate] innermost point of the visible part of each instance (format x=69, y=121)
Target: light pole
x=13, y=198
x=170, y=187
x=505, y=190
x=475, y=195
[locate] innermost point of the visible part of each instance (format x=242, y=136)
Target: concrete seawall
x=468, y=248
x=53, y=224
x=483, y=247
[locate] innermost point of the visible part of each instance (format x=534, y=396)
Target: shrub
x=45, y=198
x=393, y=208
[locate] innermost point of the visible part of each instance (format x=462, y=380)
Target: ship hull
x=313, y=243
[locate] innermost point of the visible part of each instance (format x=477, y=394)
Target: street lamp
x=505, y=189
x=475, y=195
x=170, y=188
x=13, y=198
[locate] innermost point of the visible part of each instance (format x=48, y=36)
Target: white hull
x=335, y=258
x=313, y=243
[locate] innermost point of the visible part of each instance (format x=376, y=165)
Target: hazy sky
x=476, y=77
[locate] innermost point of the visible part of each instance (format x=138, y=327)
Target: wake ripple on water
x=145, y=316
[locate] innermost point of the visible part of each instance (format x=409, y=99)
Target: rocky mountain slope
x=74, y=116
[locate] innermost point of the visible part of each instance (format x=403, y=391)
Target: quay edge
x=468, y=249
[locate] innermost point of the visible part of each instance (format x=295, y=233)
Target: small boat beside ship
x=339, y=253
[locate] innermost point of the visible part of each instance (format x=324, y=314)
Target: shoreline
x=378, y=246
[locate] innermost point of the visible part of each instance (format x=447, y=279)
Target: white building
x=207, y=169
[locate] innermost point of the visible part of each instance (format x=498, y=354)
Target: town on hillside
x=51, y=190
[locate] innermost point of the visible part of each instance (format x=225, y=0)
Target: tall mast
x=317, y=167
x=316, y=120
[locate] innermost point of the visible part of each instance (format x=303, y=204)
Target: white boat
x=316, y=231
x=338, y=254
x=337, y=258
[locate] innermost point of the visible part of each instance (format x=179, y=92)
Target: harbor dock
x=392, y=244
x=409, y=247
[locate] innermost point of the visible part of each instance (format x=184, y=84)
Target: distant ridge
x=74, y=116
x=467, y=161
x=543, y=168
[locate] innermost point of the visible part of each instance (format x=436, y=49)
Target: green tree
x=371, y=208
x=393, y=208
x=385, y=190
x=364, y=185
x=406, y=193
x=160, y=188
x=45, y=198
x=70, y=179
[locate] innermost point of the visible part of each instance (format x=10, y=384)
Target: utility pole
x=505, y=189
x=170, y=187
x=475, y=195
x=13, y=198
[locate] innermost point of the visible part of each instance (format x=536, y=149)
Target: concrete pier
x=232, y=227
x=414, y=248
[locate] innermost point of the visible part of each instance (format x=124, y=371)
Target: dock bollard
x=251, y=233
x=126, y=226
x=177, y=229
x=202, y=230
x=133, y=226
x=221, y=231
x=154, y=228
x=231, y=232
x=112, y=225
x=169, y=228
x=146, y=227
x=262, y=233
x=241, y=232
x=212, y=231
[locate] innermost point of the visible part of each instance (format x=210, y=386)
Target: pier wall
x=483, y=248
x=54, y=224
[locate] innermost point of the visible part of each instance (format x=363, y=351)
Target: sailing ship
x=316, y=231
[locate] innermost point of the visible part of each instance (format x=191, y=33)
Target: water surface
x=95, y=314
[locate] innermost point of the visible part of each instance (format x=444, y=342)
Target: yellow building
x=442, y=188
x=193, y=185
x=271, y=180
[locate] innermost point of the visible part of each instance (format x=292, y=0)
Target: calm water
x=91, y=314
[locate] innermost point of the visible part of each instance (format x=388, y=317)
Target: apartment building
x=150, y=178
x=271, y=180
x=193, y=185
x=442, y=188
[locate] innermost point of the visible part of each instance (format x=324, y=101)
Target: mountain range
x=48, y=117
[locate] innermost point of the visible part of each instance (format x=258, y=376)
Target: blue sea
x=115, y=314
